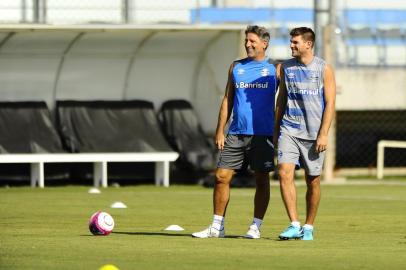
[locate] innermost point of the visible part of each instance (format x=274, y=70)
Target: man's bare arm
x=329, y=110
x=280, y=103
x=225, y=110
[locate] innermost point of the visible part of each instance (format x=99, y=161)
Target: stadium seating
x=115, y=127
x=110, y=126
x=279, y=43
x=374, y=37
x=183, y=131
x=249, y=15
x=103, y=132
x=27, y=128
x=392, y=40
x=362, y=46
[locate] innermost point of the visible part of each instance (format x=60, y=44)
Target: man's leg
x=221, y=193
x=313, y=195
x=232, y=156
x=261, y=156
x=261, y=201
x=288, y=189
x=288, y=192
x=312, y=204
x=221, y=196
x=262, y=194
x=313, y=162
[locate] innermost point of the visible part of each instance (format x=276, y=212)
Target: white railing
x=381, y=154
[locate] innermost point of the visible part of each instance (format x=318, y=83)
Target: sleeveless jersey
x=255, y=86
x=305, y=98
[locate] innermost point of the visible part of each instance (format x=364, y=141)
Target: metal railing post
x=125, y=11
x=380, y=160
x=35, y=11
x=44, y=9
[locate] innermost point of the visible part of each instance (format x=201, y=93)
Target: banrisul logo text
x=251, y=85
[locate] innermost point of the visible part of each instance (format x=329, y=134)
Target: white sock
x=218, y=222
x=295, y=223
x=308, y=226
x=257, y=222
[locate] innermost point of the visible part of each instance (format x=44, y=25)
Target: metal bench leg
x=166, y=174
x=100, y=174
x=159, y=175
x=162, y=173
x=37, y=174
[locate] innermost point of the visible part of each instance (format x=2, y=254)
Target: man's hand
x=321, y=143
x=219, y=140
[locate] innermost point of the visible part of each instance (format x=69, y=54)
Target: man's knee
x=223, y=176
x=286, y=171
x=313, y=181
x=262, y=179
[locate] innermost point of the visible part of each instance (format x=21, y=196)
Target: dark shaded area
x=358, y=133
x=112, y=126
x=183, y=131
x=85, y=127
x=26, y=127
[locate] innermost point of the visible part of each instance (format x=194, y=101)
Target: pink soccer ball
x=101, y=223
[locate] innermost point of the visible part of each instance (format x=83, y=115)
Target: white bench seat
x=99, y=160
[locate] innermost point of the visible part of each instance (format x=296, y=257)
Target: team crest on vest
x=240, y=71
x=314, y=77
x=264, y=72
x=291, y=75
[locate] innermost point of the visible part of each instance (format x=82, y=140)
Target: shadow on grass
x=180, y=234
x=153, y=233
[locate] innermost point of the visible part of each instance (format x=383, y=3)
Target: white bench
x=99, y=161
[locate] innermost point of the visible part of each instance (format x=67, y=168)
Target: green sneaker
x=307, y=234
x=291, y=232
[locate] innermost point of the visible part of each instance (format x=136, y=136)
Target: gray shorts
x=243, y=150
x=294, y=150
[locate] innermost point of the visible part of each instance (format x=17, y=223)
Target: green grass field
x=358, y=227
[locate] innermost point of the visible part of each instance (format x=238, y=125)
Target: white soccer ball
x=101, y=223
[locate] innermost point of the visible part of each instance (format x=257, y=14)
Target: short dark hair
x=306, y=33
x=260, y=31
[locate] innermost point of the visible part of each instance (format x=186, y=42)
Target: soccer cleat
x=210, y=232
x=307, y=234
x=291, y=232
x=253, y=233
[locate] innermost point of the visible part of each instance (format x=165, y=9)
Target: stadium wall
x=371, y=89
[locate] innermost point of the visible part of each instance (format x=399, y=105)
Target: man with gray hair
x=250, y=96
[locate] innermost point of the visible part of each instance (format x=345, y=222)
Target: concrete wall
x=371, y=89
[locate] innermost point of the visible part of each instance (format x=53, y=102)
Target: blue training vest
x=255, y=86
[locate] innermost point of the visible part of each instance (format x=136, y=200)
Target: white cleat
x=253, y=233
x=210, y=232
